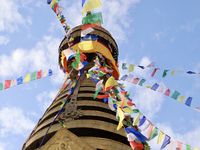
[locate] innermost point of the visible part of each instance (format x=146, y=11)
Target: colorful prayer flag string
x=25, y=79
x=176, y=95
x=58, y=11
x=155, y=70
x=139, y=127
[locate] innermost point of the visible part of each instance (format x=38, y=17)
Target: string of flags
x=174, y=94
x=58, y=11
x=155, y=70
x=137, y=126
x=90, y=12
x=25, y=79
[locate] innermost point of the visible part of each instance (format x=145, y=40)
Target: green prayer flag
x=77, y=61
x=96, y=93
x=131, y=68
x=175, y=95
x=154, y=133
x=34, y=75
x=165, y=73
x=188, y=147
x=1, y=86
x=142, y=82
x=93, y=18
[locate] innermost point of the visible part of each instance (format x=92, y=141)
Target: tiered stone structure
x=89, y=124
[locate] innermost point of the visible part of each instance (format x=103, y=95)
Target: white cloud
x=10, y=16
x=46, y=98
x=43, y=55
x=4, y=40
x=14, y=121
x=2, y=147
x=148, y=101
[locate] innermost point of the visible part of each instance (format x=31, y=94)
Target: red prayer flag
x=167, y=92
x=39, y=74
x=7, y=84
x=154, y=72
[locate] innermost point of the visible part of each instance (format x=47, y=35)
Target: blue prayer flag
x=19, y=80
x=139, y=135
x=188, y=101
x=83, y=2
x=155, y=87
x=165, y=142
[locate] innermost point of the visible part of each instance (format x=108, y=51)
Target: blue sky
x=166, y=32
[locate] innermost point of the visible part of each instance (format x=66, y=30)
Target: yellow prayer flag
x=86, y=45
x=173, y=72
x=110, y=83
x=27, y=78
x=91, y=5
x=160, y=137
x=136, y=119
x=148, y=86
x=131, y=68
x=121, y=118
x=196, y=149
x=181, y=99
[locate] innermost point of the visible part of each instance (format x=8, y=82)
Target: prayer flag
x=165, y=73
x=154, y=133
x=142, y=67
x=93, y=18
x=123, y=78
x=86, y=31
x=39, y=74
x=188, y=147
x=83, y=2
x=167, y=92
x=173, y=72
x=27, y=78
x=50, y=73
x=149, y=130
x=179, y=146
x=131, y=137
x=111, y=82
x=154, y=72
x=19, y=80
x=181, y=99
x=161, y=89
x=191, y=72
x=160, y=137
x=139, y=135
x=13, y=83
x=175, y=95
x=49, y=1
x=135, y=80
x=142, y=120
x=124, y=66
x=131, y=68
x=91, y=5
x=7, y=84
x=188, y=101
x=34, y=76
x=121, y=118
x=1, y=86
x=155, y=87
x=142, y=82
x=136, y=119
x=166, y=141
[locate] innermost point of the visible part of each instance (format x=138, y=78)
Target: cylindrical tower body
x=87, y=123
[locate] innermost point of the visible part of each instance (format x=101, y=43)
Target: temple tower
x=84, y=123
